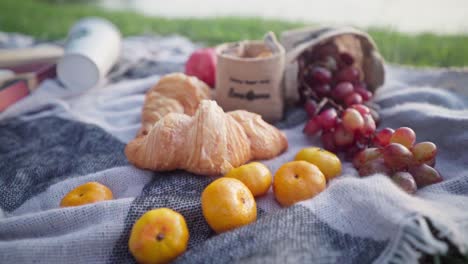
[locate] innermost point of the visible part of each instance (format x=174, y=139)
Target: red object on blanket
x=202, y=64
x=12, y=91
x=26, y=80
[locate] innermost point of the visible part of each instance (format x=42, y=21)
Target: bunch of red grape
x=334, y=93
x=395, y=153
x=350, y=130
x=324, y=72
x=338, y=104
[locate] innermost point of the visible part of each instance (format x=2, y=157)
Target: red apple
x=202, y=64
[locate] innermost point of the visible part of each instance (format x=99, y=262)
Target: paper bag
x=249, y=76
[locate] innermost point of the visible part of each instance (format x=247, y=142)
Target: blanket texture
x=55, y=140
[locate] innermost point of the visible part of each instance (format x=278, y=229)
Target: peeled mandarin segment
x=159, y=236
x=227, y=203
x=90, y=192
x=328, y=163
x=297, y=181
x=256, y=176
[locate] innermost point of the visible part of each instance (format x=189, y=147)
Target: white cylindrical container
x=92, y=48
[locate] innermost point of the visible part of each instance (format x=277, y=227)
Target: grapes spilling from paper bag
x=339, y=106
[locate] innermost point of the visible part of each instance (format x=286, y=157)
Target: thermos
x=92, y=48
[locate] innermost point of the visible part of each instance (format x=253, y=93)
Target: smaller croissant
x=210, y=142
x=174, y=93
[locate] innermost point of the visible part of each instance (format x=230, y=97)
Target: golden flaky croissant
x=210, y=142
x=174, y=93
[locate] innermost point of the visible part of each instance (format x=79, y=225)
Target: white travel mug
x=92, y=48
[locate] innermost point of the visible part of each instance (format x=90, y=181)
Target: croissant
x=174, y=93
x=210, y=142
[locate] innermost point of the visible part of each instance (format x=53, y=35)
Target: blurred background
x=440, y=16
x=411, y=32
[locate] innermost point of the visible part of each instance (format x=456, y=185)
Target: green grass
x=49, y=20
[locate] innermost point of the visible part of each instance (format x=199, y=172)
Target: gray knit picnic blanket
x=55, y=140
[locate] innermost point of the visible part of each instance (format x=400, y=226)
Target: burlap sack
x=359, y=44
x=249, y=76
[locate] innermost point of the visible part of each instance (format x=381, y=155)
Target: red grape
x=322, y=89
x=361, y=108
x=312, y=127
x=321, y=74
x=424, y=152
x=425, y=175
x=405, y=181
x=397, y=156
x=347, y=58
x=382, y=138
x=348, y=74
x=328, y=141
x=374, y=166
x=369, y=125
x=404, y=136
x=365, y=156
x=341, y=90
x=327, y=119
x=343, y=137
x=352, y=119
x=310, y=107
x=353, y=98
x=365, y=94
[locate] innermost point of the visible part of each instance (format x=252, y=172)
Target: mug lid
x=77, y=72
